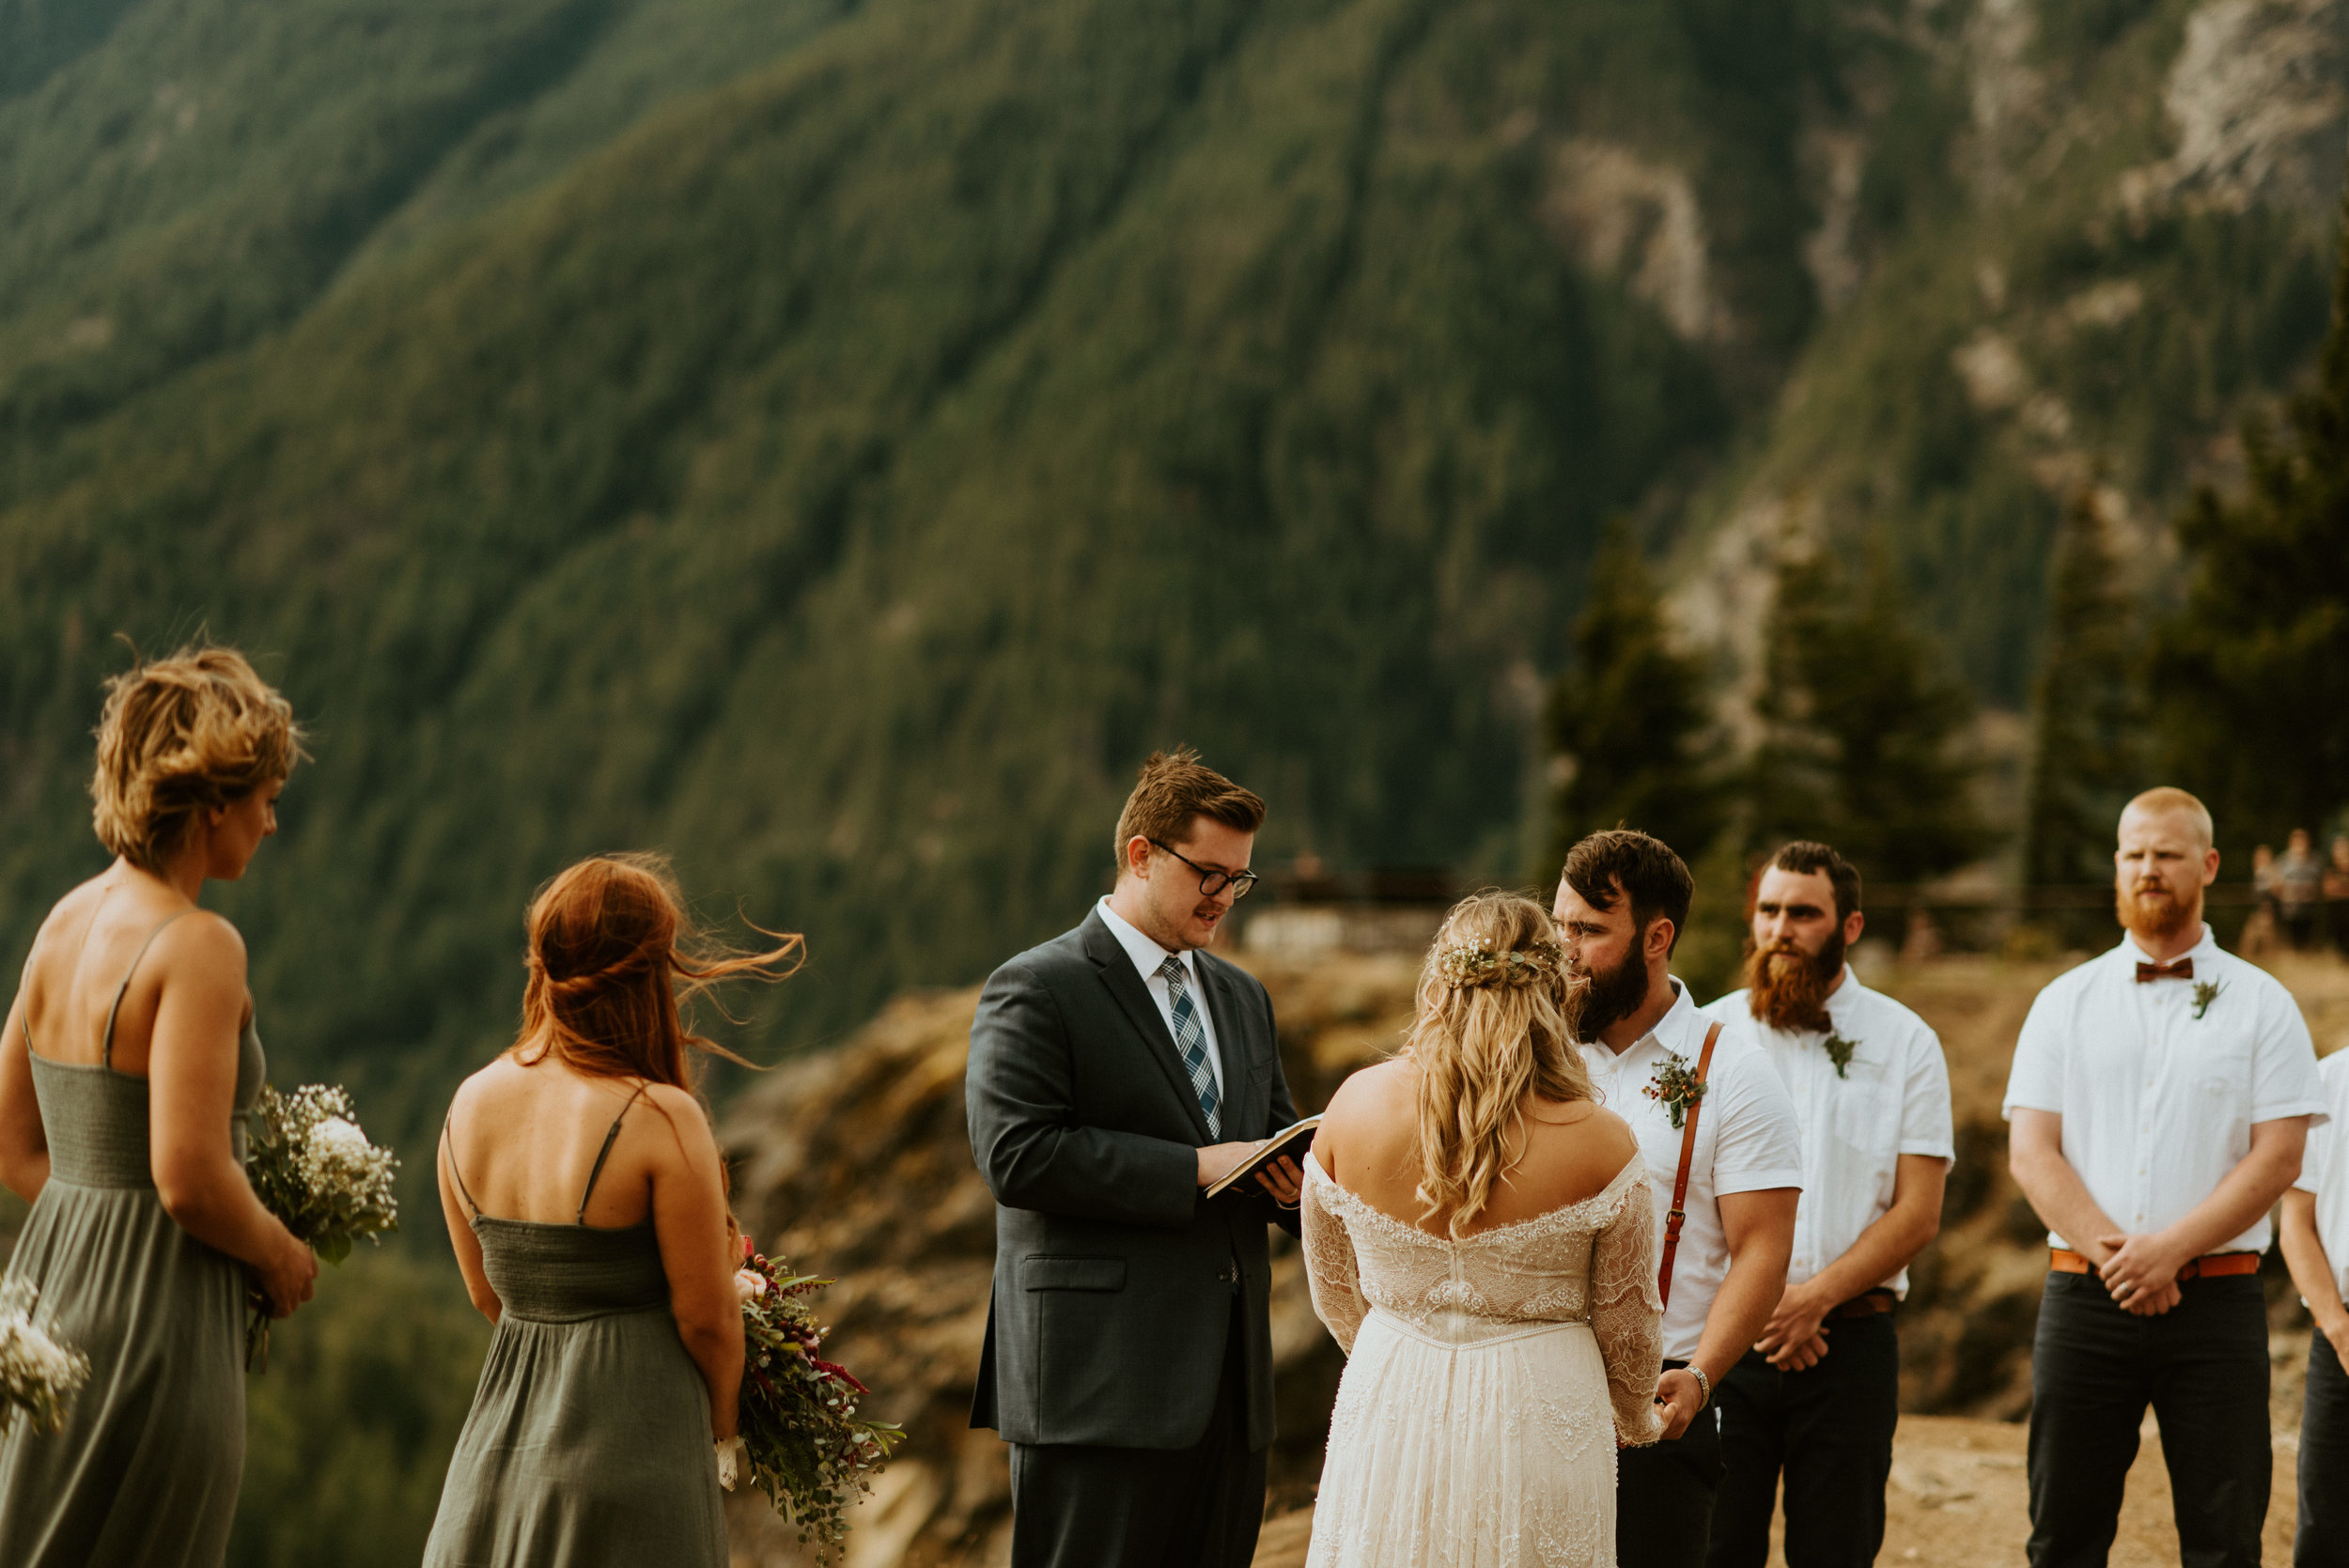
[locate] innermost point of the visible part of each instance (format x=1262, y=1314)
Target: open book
x=1291, y=1141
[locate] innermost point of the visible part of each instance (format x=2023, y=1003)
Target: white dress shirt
x=2158, y=1105
x=2326, y=1172
x=1746, y=1141
x=1892, y=1099
x=1147, y=955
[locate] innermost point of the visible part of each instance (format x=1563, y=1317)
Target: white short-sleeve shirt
x=2326, y=1172
x=1746, y=1141
x=1892, y=1098
x=2158, y=1103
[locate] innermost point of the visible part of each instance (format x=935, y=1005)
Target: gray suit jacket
x=1113, y=1276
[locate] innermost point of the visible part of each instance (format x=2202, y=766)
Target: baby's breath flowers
x=1464, y=966
x=314, y=1167
x=799, y=1435
x=39, y=1376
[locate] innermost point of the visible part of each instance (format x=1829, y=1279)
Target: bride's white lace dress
x=1486, y=1381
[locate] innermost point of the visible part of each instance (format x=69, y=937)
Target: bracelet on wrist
x=1704, y=1385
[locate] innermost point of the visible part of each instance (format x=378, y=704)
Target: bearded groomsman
x=2160, y=1099
x=1873, y=1093
x=1727, y=1144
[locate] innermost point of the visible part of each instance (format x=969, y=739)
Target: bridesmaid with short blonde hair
x=127, y=1064
x=586, y=1200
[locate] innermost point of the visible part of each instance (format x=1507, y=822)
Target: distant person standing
x=1116, y=1073
x=1718, y=1133
x=1818, y=1398
x=2299, y=889
x=2159, y=1101
x=2262, y=932
x=2337, y=895
x=128, y=1066
x=2316, y=1247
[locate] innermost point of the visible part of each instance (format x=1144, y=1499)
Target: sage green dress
x=588, y=1443
x=146, y=1471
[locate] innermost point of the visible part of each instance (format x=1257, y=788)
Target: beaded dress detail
x=1487, y=1379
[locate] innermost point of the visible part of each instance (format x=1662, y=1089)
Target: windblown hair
x=1172, y=789
x=179, y=736
x=613, y=955
x=1497, y=1013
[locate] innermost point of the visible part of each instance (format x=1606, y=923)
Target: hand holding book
x=1273, y=1162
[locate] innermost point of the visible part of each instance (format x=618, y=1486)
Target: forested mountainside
x=834, y=441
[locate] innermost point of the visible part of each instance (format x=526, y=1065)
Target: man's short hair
x=1174, y=787
x=2169, y=797
x=1807, y=858
x=1644, y=869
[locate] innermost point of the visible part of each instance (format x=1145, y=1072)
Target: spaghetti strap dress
x=588, y=1443
x=146, y=1471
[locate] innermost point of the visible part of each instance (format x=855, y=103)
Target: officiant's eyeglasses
x=1213, y=882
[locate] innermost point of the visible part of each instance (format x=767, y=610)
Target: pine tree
x=2253, y=673
x=1862, y=728
x=1627, y=721
x=2087, y=752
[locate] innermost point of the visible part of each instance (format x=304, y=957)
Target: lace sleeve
x=1330, y=1271
x=1628, y=1315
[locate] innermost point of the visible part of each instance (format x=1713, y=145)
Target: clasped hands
x=2140, y=1272
x=1795, y=1338
x=1282, y=1178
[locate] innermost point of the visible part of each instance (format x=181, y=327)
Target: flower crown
x=1462, y=967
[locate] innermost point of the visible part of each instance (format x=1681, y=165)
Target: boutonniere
x=1675, y=1086
x=1839, y=1051
x=2205, y=992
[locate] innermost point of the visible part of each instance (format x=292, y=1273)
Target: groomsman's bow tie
x=2181, y=970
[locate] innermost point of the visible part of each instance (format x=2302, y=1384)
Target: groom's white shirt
x=1147, y=956
x=1747, y=1140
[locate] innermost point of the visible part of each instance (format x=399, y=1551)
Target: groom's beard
x=1612, y=995
x=1788, y=987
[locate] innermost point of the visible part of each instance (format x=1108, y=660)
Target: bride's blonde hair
x=1497, y=1011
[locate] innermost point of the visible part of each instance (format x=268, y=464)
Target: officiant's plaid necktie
x=1191, y=1040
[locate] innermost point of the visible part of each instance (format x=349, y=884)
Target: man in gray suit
x=1116, y=1072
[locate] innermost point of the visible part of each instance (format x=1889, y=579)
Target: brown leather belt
x=2211, y=1266
x=1874, y=1303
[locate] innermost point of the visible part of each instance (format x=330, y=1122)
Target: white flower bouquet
x=38, y=1377
x=313, y=1167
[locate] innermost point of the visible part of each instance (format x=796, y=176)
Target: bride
x=1480, y=1238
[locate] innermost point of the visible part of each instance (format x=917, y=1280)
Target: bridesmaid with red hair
x=586, y=1200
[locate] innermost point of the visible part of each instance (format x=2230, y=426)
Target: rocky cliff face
x=855, y=1162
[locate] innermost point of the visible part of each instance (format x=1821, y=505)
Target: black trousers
x=1200, y=1507
x=2203, y=1366
x=2322, y=1537
x=1828, y=1429
x=1664, y=1496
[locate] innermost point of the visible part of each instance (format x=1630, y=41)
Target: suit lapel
x=1117, y=973
x=1246, y=1109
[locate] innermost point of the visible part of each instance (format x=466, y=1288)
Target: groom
x=1116, y=1072
x=1622, y=903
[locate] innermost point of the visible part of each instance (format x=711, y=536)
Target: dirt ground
x=1958, y=1499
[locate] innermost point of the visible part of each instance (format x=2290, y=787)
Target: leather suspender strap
x=1678, y=1214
